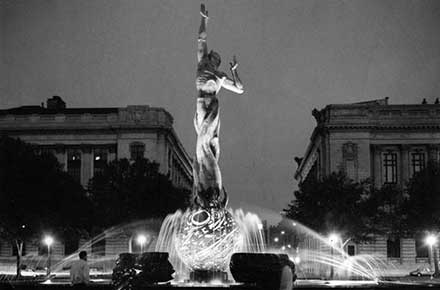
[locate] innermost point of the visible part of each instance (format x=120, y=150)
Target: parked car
x=422, y=271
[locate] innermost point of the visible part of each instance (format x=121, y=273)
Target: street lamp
x=333, y=238
x=48, y=240
x=431, y=240
x=141, y=240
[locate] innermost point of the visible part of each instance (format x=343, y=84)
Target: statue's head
x=215, y=58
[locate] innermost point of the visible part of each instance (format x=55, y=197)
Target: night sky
x=294, y=56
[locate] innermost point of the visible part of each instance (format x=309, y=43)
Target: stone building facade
x=85, y=139
x=386, y=143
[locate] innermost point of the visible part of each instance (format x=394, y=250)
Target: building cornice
x=370, y=116
x=304, y=166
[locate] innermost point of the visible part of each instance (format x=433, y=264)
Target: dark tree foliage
x=37, y=196
x=335, y=203
x=387, y=210
x=127, y=191
x=423, y=204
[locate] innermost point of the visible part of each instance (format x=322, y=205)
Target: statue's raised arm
x=235, y=83
x=202, y=47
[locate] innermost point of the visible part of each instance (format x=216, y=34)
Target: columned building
x=387, y=143
x=84, y=140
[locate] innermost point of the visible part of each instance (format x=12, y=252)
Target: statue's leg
x=207, y=123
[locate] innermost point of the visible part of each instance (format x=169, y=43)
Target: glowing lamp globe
x=207, y=239
x=431, y=240
x=48, y=240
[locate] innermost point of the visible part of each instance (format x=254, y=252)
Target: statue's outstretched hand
x=234, y=63
x=203, y=11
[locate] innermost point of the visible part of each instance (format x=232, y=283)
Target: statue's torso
x=208, y=80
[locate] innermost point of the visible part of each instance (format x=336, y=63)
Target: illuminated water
x=313, y=254
x=207, y=243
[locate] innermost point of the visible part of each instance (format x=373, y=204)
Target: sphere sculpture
x=207, y=239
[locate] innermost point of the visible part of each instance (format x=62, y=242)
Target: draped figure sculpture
x=206, y=235
x=208, y=186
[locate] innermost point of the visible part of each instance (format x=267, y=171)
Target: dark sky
x=294, y=56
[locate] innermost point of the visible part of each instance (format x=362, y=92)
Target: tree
x=387, y=210
x=127, y=191
x=335, y=203
x=37, y=196
x=423, y=203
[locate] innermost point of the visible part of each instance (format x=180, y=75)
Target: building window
x=46, y=151
x=351, y=250
x=42, y=249
x=422, y=250
x=99, y=161
x=74, y=165
x=390, y=167
x=98, y=247
x=137, y=150
x=417, y=162
x=393, y=248
x=70, y=246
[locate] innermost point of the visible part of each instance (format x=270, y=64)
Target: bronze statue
x=207, y=176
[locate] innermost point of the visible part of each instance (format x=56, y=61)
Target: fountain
x=203, y=238
x=198, y=243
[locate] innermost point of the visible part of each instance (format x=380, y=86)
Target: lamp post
x=48, y=240
x=333, y=239
x=431, y=241
x=141, y=240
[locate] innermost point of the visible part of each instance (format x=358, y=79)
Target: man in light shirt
x=79, y=271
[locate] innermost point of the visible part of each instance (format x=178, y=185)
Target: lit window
x=137, y=150
x=74, y=165
x=99, y=160
x=390, y=167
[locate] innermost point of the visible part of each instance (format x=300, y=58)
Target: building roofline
x=307, y=154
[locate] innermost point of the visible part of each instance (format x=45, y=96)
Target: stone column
x=432, y=152
x=404, y=164
x=86, y=165
x=377, y=172
x=60, y=153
